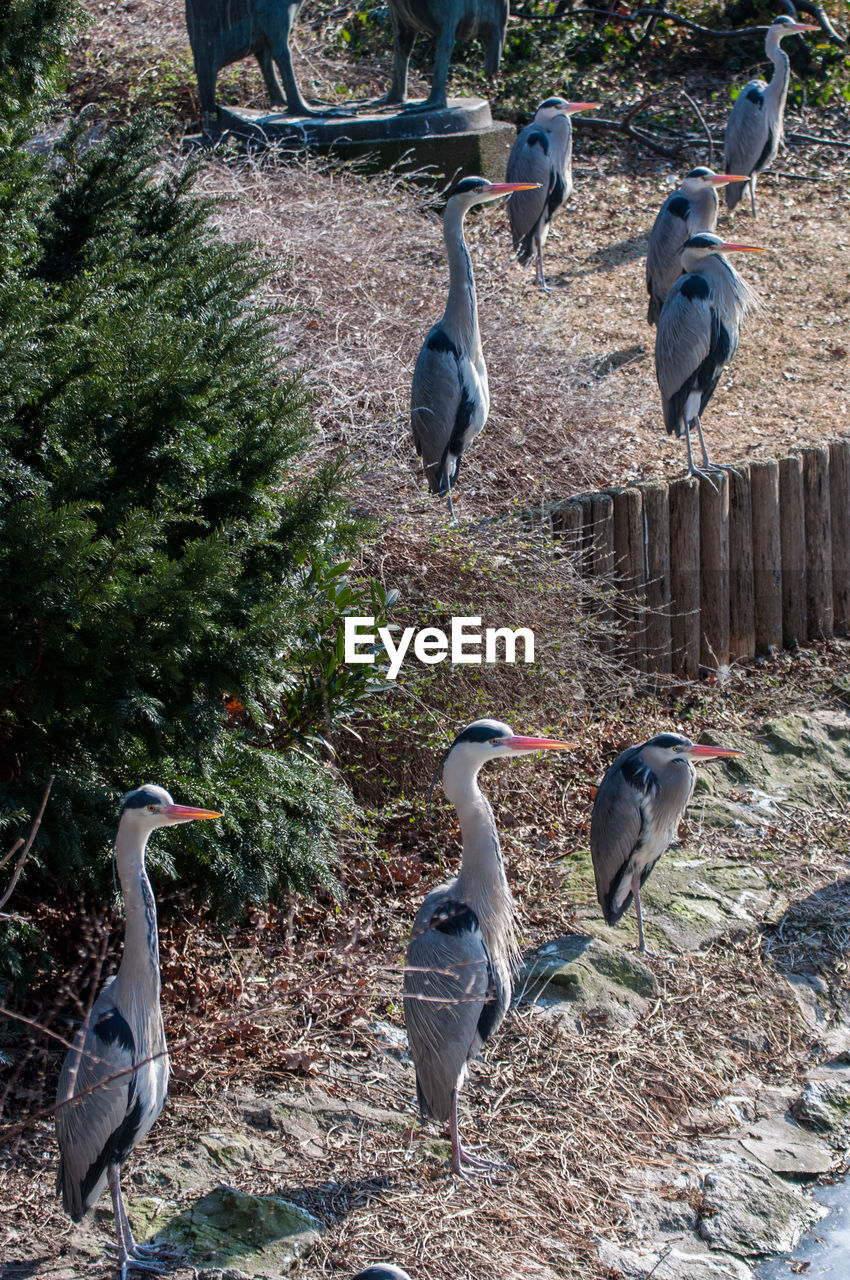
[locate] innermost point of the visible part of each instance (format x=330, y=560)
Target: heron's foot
x=702, y=473
x=146, y=1252
x=540, y=281
x=722, y=466
x=127, y=1262
x=467, y=1156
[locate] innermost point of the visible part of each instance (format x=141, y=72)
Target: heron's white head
x=483, y=741
x=150, y=807
x=700, y=178
x=560, y=107
x=784, y=26
x=471, y=191
x=665, y=748
x=705, y=243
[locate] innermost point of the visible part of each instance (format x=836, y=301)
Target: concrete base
x=460, y=139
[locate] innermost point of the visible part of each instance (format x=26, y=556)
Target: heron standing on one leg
x=112, y=1086
x=542, y=154
x=636, y=813
x=692, y=207
x=449, y=399
x=698, y=335
x=463, y=947
x=754, y=127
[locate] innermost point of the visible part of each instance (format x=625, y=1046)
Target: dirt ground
x=289, y=1004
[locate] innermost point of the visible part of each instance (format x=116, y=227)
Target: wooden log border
x=720, y=569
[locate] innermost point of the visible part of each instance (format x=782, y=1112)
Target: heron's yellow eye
x=152, y=808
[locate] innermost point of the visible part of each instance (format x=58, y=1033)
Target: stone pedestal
x=461, y=139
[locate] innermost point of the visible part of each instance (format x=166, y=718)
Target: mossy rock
x=749, y=1211
x=579, y=973
x=824, y=1106
x=261, y=1235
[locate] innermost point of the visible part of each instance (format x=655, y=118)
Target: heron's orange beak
x=580, y=106
x=721, y=179
x=699, y=753
x=537, y=744
x=803, y=26
x=187, y=813
x=740, y=248
x=505, y=188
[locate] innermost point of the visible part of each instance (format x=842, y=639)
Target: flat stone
x=785, y=1148
x=262, y=1236
x=749, y=1211
x=462, y=138
x=672, y=1262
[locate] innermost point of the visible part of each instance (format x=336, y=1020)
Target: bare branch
x=701, y=119
x=27, y=845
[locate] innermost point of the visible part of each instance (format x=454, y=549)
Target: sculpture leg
x=295, y=103
x=273, y=89
x=403, y=38
x=445, y=47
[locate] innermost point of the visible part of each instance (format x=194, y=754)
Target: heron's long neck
x=461, y=315
x=777, y=91
x=482, y=881
x=732, y=295
x=139, y=968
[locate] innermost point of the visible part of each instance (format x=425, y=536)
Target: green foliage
x=168, y=584
x=33, y=34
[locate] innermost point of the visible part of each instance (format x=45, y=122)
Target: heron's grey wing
x=435, y=399
x=529, y=161
x=99, y=1123
x=684, y=334
x=615, y=832
x=747, y=134
x=447, y=983
x=664, y=253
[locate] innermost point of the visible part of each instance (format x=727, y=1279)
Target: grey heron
x=754, y=127
x=382, y=1271
x=463, y=946
x=450, y=399
x=113, y=1083
x=636, y=813
x=698, y=335
x=542, y=154
x=692, y=207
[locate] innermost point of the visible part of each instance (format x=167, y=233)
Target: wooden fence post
x=818, y=525
x=742, y=627
x=684, y=577
x=714, y=570
x=792, y=538
x=839, y=501
x=629, y=561
x=602, y=526
x=767, y=560
x=656, y=519
x=568, y=526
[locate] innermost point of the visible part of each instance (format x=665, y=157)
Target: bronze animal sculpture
x=225, y=31
x=446, y=21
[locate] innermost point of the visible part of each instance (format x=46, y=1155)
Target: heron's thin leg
x=127, y=1259
x=753, y=192
x=636, y=896
x=706, y=462
x=693, y=469
x=451, y=505
x=540, y=277
x=457, y=1150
